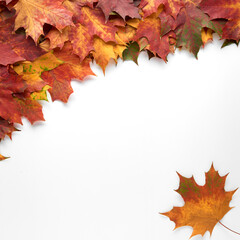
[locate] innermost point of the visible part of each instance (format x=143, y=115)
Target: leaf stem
x=228, y=228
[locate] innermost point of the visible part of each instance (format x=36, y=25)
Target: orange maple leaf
x=204, y=205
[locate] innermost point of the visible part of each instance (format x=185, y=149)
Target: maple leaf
x=122, y=7
x=57, y=38
x=189, y=24
x=103, y=52
x=150, y=28
x=31, y=71
x=28, y=107
x=94, y=20
x=168, y=23
x=204, y=205
x=132, y=52
x=228, y=9
x=82, y=41
x=25, y=48
x=32, y=15
x=60, y=78
x=125, y=34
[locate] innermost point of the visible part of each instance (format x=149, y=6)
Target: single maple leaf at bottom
x=204, y=205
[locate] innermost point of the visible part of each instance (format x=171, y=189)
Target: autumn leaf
x=57, y=38
x=82, y=41
x=28, y=107
x=94, y=20
x=122, y=7
x=59, y=79
x=22, y=46
x=131, y=52
x=31, y=71
x=189, y=24
x=150, y=28
x=204, y=205
x=228, y=9
x=125, y=34
x=103, y=52
x=32, y=15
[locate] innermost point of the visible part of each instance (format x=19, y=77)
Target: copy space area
x=104, y=165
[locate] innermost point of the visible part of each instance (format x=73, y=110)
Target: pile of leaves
x=44, y=44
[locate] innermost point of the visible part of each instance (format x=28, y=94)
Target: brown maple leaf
x=204, y=205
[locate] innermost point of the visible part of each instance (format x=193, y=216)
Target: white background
x=103, y=166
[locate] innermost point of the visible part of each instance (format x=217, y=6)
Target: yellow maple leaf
x=103, y=52
x=31, y=71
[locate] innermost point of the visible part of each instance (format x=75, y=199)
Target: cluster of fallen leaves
x=44, y=44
